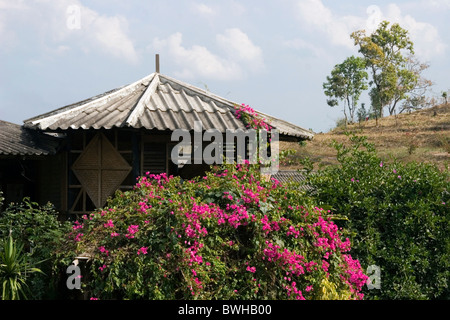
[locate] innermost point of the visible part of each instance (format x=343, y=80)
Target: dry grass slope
x=421, y=136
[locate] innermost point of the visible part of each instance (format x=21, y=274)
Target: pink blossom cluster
x=78, y=237
x=292, y=289
x=142, y=250
x=109, y=224
x=251, y=269
x=235, y=215
x=132, y=230
x=77, y=225
x=328, y=237
x=356, y=278
x=295, y=262
x=102, y=249
x=255, y=121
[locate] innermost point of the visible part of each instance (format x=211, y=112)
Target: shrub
x=229, y=235
x=398, y=215
x=14, y=271
x=38, y=229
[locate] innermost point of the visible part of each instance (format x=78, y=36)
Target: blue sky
x=271, y=55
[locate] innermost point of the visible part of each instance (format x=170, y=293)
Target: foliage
x=389, y=55
x=14, y=271
x=346, y=82
x=232, y=234
x=38, y=228
x=362, y=114
x=398, y=215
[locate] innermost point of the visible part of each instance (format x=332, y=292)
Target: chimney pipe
x=157, y=63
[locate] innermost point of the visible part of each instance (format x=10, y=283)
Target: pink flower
x=110, y=224
x=131, y=231
x=78, y=237
x=142, y=250
x=103, y=250
x=77, y=225
x=251, y=269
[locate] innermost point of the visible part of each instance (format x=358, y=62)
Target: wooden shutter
x=154, y=158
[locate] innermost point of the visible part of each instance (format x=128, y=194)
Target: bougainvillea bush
x=232, y=234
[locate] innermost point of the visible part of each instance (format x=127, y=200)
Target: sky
x=273, y=55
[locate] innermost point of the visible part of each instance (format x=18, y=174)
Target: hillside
x=422, y=136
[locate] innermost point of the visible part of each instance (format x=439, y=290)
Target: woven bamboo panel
x=110, y=158
x=100, y=169
x=90, y=157
x=111, y=180
x=89, y=180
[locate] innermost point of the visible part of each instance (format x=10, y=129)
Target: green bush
x=398, y=215
x=40, y=231
x=232, y=234
x=14, y=271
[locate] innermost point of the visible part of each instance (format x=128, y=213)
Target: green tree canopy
x=387, y=52
x=346, y=82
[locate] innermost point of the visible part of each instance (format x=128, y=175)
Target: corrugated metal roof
x=289, y=176
x=285, y=176
x=154, y=102
x=17, y=140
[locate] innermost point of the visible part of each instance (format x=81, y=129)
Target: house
x=78, y=155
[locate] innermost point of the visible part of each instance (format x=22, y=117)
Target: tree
x=386, y=53
x=416, y=98
x=362, y=113
x=346, y=82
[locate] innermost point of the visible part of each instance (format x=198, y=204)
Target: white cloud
x=110, y=33
x=67, y=23
x=240, y=48
x=425, y=36
x=203, y=9
x=316, y=15
x=197, y=60
x=240, y=54
x=337, y=28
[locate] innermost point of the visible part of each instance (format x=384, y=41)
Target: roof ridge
x=140, y=105
x=104, y=97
